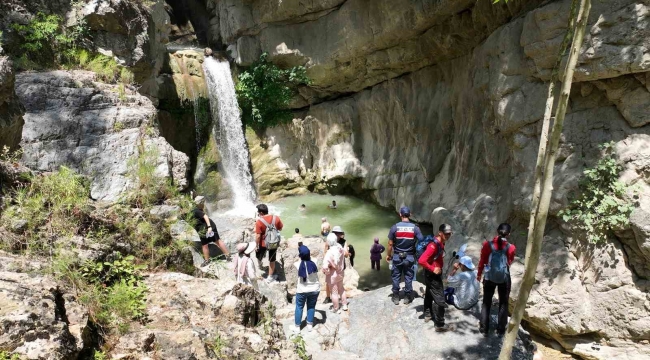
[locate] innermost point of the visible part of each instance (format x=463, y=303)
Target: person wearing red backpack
x=260, y=233
x=496, y=257
x=432, y=260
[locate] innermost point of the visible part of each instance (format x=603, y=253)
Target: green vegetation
x=301, y=348
x=99, y=355
x=5, y=355
x=217, y=345
x=602, y=205
x=7, y=155
x=45, y=41
x=53, y=203
x=264, y=92
x=112, y=292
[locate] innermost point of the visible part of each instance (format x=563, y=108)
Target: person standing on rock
x=325, y=227
x=402, y=238
x=496, y=257
x=375, y=254
x=267, y=225
x=333, y=268
x=207, y=230
x=340, y=239
x=243, y=265
x=307, y=288
x=432, y=261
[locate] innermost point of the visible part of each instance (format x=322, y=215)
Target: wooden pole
x=541, y=213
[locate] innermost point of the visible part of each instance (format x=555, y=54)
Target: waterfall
x=227, y=129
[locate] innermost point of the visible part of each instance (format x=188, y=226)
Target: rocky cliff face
x=454, y=133
x=73, y=121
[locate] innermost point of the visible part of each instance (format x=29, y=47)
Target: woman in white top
x=333, y=264
x=244, y=267
x=307, y=288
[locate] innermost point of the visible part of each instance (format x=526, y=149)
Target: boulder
x=165, y=212
x=182, y=231
x=73, y=121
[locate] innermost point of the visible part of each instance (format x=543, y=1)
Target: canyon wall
x=439, y=108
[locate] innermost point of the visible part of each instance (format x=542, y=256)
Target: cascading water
x=227, y=128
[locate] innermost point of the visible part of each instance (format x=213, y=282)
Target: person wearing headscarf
x=333, y=268
x=375, y=254
x=244, y=267
x=307, y=288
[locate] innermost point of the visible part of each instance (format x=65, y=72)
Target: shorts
x=261, y=252
x=210, y=240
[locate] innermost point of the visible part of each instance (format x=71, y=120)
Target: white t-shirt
x=311, y=285
x=467, y=288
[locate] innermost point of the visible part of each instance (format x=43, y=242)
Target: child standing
x=244, y=268
x=375, y=254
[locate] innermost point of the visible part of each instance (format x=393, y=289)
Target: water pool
x=361, y=221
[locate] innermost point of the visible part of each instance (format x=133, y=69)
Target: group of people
x=407, y=248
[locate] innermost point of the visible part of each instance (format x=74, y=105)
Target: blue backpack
x=421, y=246
x=498, y=265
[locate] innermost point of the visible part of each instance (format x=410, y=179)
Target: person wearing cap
x=207, y=230
x=307, y=288
x=402, y=239
x=432, y=260
x=260, y=233
x=243, y=264
x=325, y=227
x=463, y=288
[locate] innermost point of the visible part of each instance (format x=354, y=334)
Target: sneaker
x=296, y=329
x=443, y=328
x=327, y=300
x=408, y=299
x=310, y=327
x=205, y=263
x=395, y=299
x=427, y=316
x=345, y=307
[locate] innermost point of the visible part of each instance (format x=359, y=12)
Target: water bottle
x=390, y=265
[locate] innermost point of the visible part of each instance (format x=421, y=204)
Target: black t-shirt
x=200, y=227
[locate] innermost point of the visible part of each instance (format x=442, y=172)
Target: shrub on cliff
x=602, y=205
x=264, y=92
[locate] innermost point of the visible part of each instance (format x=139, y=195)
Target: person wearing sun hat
x=463, y=288
x=244, y=266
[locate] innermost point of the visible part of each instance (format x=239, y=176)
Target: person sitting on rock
x=375, y=254
x=333, y=269
x=244, y=266
x=207, y=230
x=325, y=227
x=307, y=288
x=462, y=291
x=496, y=257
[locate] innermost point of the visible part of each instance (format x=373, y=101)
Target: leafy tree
x=264, y=92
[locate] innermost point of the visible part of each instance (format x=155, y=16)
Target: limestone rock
x=182, y=231
x=11, y=111
x=165, y=212
x=75, y=122
x=39, y=320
